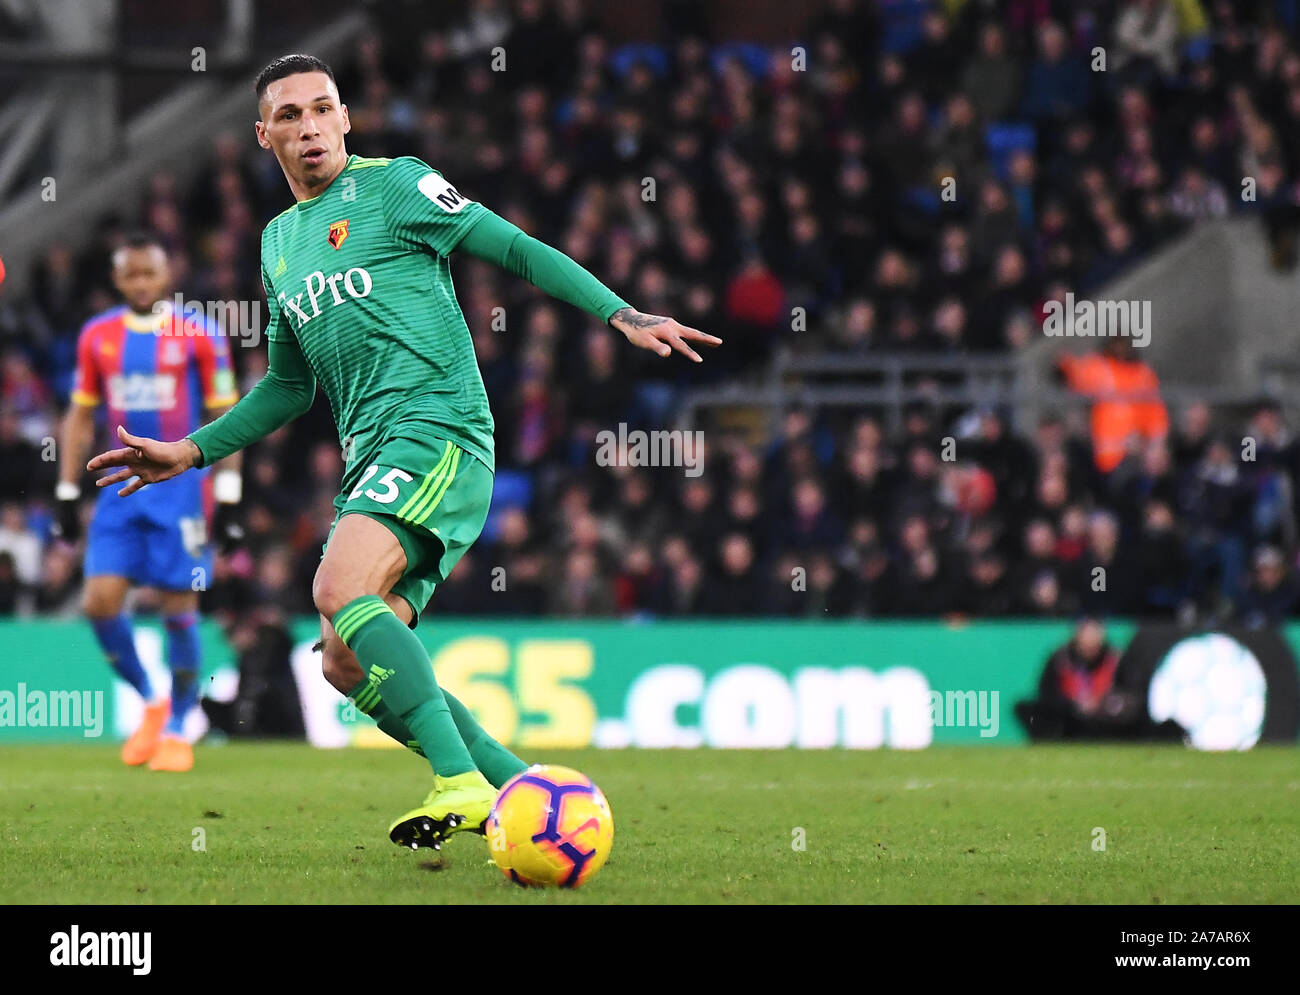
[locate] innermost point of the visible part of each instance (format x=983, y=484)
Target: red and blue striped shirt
x=155, y=373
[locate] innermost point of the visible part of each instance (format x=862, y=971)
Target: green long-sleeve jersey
x=359, y=283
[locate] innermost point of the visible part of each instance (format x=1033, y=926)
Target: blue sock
x=114, y=635
x=183, y=656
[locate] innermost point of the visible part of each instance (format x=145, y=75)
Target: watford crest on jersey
x=338, y=232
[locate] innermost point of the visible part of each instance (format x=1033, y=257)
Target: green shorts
x=434, y=497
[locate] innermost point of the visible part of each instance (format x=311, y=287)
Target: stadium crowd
x=775, y=185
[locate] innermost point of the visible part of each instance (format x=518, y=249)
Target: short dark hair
x=140, y=238
x=290, y=65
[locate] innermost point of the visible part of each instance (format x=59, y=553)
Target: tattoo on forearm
x=636, y=318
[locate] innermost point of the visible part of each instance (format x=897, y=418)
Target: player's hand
x=660, y=334
x=147, y=460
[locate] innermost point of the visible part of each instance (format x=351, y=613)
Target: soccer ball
x=550, y=825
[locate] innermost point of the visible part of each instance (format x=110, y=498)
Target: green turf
x=290, y=824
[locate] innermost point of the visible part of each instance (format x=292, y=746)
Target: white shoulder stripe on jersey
x=441, y=193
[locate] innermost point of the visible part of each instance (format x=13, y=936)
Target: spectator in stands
x=21, y=544
x=992, y=78
x=26, y=397
x=1035, y=556
x=582, y=588
x=56, y=289
x=21, y=471
x=734, y=587
x=275, y=584
x=755, y=301
x=1268, y=456
x=698, y=518
x=1278, y=205
x=917, y=489
x=639, y=516
x=921, y=577
x=784, y=586
x=959, y=142
x=996, y=224
x=58, y=593
x=470, y=590
x=1119, y=250
x=1146, y=41
x=11, y=589
x=1192, y=436
x=863, y=487
x=684, y=589
x=1044, y=597
x=536, y=418
x=1271, y=596
x=1162, y=562
x=1061, y=449
x=1104, y=578
x=1057, y=84
x=1079, y=697
x=1216, y=501
x=744, y=516
x=1198, y=198
x=866, y=582
x=985, y=591
x=825, y=589
x=1053, y=492
x=776, y=188
x=1071, y=534
x=813, y=524
x=523, y=560
x=924, y=586
x=1126, y=399
x=637, y=581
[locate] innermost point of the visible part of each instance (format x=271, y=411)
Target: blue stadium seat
x=653, y=403
x=924, y=199
x=510, y=489
x=901, y=20
x=1198, y=49
x=1006, y=137
x=753, y=57
x=625, y=57
x=1288, y=12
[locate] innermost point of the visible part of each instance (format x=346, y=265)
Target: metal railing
x=889, y=383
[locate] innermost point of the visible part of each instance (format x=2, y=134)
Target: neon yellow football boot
x=455, y=804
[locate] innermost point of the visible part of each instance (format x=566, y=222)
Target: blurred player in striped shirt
x=155, y=372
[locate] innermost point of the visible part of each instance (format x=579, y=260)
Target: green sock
x=396, y=660
x=366, y=697
x=496, y=762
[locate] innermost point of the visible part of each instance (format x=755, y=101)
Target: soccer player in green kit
x=362, y=302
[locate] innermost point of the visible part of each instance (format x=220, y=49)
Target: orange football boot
x=144, y=741
x=174, y=753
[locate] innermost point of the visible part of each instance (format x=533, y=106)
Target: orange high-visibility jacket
x=1126, y=402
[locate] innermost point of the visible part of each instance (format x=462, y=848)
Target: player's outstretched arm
x=147, y=460
x=496, y=240
x=660, y=333
x=285, y=392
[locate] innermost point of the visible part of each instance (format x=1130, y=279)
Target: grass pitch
x=291, y=824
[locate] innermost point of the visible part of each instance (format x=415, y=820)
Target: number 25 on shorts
x=388, y=492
